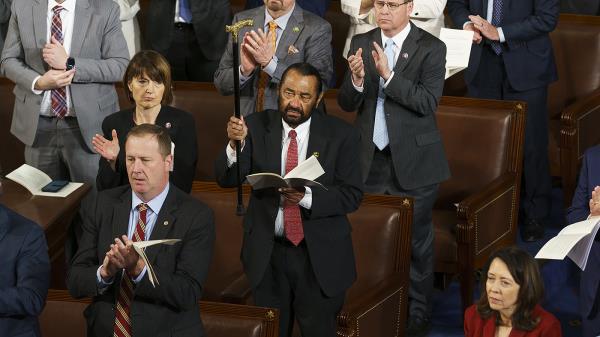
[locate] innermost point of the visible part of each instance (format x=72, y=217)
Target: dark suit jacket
x=589, y=177
x=326, y=227
x=475, y=326
x=309, y=34
x=527, y=53
x=182, y=130
x=24, y=274
x=412, y=97
x=209, y=18
x=318, y=7
x=4, y=16
x=584, y=7
x=170, y=309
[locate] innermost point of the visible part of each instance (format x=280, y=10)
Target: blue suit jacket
x=589, y=177
x=527, y=53
x=24, y=274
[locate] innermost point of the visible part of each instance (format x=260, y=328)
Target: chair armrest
x=492, y=206
x=238, y=291
x=378, y=312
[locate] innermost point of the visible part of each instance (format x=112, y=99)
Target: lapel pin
x=406, y=203
x=296, y=29
x=168, y=125
x=292, y=50
x=316, y=154
x=405, y=55
x=166, y=223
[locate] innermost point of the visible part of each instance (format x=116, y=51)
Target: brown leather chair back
x=63, y=316
x=12, y=153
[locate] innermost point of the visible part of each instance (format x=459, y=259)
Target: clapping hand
x=381, y=62
x=357, y=67
x=595, y=202
x=108, y=149
x=485, y=28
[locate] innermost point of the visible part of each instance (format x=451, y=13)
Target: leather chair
x=12, y=153
x=377, y=302
x=63, y=316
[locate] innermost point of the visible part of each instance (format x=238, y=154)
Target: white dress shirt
x=302, y=136
x=178, y=18
x=67, y=16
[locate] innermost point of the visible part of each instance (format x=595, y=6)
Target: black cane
x=234, y=30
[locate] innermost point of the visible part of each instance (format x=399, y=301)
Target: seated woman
x=586, y=203
x=147, y=82
x=509, y=306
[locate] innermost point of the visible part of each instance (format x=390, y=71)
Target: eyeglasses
x=392, y=6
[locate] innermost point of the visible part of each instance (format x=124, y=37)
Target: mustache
x=290, y=108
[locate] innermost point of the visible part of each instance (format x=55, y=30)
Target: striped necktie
x=58, y=96
x=122, y=327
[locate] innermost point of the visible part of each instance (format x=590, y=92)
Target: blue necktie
x=184, y=11
x=496, y=19
x=380, y=132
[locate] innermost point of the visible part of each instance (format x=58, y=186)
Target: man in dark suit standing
x=190, y=34
x=586, y=203
x=512, y=59
x=297, y=250
x=395, y=82
x=24, y=274
x=283, y=34
x=107, y=268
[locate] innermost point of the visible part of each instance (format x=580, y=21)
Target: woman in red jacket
x=509, y=307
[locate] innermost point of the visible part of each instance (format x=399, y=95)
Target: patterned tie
x=122, y=326
x=292, y=220
x=263, y=78
x=380, y=132
x=184, y=11
x=58, y=96
x=496, y=19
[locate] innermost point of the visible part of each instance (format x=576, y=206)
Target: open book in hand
x=34, y=180
x=302, y=175
x=574, y=241
x=140, y=248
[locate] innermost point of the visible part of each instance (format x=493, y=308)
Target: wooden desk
x=54, y=215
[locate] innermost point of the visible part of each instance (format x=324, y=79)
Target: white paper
x=140, y=248
x=34, y=180
x=351, y=7
x=302, y=175
x=458, y=49
x=574, y=241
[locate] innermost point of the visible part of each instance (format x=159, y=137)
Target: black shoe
x=531, y=230
x=417, y=327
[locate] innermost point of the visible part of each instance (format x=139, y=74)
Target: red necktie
x=292, y=220
x=58, y=96
x=122, y=326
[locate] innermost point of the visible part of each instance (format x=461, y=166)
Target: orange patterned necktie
x=264, y=78
x=122, y=327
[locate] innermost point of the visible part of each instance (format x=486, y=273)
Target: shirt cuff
x=466, y=23
x=243, y=78
x=37, y=92
x=306, y=201
x=501, y=34
x=272, y=66
x=357, y=88
x=231, y=155
x=388, y=80
x=139, y=278
x=102, y=283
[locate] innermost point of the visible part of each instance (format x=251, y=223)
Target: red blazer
x=475, y=326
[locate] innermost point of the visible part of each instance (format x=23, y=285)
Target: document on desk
x=140, y=248
x=302, y=175
x=574, y=241
x=34, y=180
x=458, y=49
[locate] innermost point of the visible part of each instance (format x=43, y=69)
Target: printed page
x=458, y=49
x=309, y=169
x=351, y=7
x=580, y=253
x=573, y=240
x=30, y=177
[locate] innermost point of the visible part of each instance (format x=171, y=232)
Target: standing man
x=283, y=34
x=25, y=270
x=190, y=34
x=512, y=59
x=107, y=268
x=297, y=249
x=395, y=82
x=64, y=56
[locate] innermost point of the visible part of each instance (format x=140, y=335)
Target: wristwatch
x=70, y=63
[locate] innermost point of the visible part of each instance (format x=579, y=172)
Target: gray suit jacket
x=170, y=308
x=411, y=100
x=4, y=16
x=100, y=53
x=308, y=33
